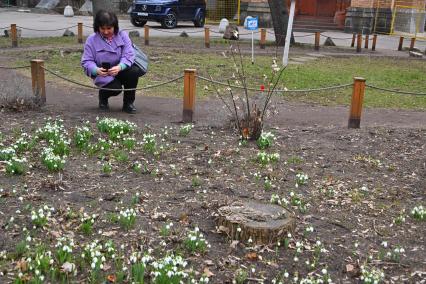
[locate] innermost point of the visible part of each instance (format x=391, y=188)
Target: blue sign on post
x=252, y=24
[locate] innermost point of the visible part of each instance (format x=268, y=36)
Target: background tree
x=280, y=15
x=103, y=4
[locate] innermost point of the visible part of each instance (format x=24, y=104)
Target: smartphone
x=106, y=65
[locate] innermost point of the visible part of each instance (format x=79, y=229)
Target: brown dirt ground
x=386, y=157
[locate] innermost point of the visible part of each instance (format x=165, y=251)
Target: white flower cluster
x=41, y=216
x=170, y=267
x=195, y=241
x=301, y=179
x=266, y=140
x=148, y=138
x=418, y=213
x=86, y=218
x=52, y=161
x=115, y=128
x=39, y=266
x=185, y=129
x=82, y=135
x=371, y=276
x=138, y=257
x=127, y=214
x=53, y=132
x=7, y=153
x=93, y=253
x=276, y=199
x=265, y=158
x=65, y=244
x=22, y=143
x=15, y=165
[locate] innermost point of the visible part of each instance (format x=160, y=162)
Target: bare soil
x=360, y=180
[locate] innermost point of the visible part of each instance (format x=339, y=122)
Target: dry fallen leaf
x=207, y=272
x=234, y=244
x=349, y=268
x=109, y=233
x=22, y=265
x=111, y=278
x=251, y=256
x=68, y=267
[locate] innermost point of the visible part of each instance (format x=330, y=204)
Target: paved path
x=54, y=21
x=82, y=103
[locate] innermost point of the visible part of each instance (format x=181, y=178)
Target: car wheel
x=138, y=23
x=200, y=20
x=170, y=21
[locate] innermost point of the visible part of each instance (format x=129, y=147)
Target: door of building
x=317, y=8
x=326, y=8
x=307, y=7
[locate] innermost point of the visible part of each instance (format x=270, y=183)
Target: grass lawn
x=168, y=63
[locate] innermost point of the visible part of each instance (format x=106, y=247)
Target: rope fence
x=15, y=67
x=276, y=91
x=49, y=30
x=395, y=91
x=358, y=89
x=109, y=89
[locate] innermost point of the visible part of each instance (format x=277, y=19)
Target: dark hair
x=105, y=18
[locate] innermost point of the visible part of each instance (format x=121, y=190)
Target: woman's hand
x=113, y=71
x=102, y=72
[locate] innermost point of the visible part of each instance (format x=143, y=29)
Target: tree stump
x=262, y=223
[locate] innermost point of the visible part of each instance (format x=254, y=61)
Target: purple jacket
x=97, y=50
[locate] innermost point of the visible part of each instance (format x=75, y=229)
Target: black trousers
x=128, y=78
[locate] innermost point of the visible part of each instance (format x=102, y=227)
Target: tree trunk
x=102, y=5
x=280, y=15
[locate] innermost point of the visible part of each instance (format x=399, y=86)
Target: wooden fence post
x=14, y=35
x=317, y=40
x=356, y=103
x=80, y=33
x=353, y=39
x=367, y=38
x=412, y=43
x=146, y=34
x=373, y=47
x=207, y=37
x=37, y=79
x=262, y=38
x=358, y=42
x=401, y=42
x=188, y=95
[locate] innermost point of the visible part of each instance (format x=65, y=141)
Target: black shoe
x=129, y=108
x=103, y=105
